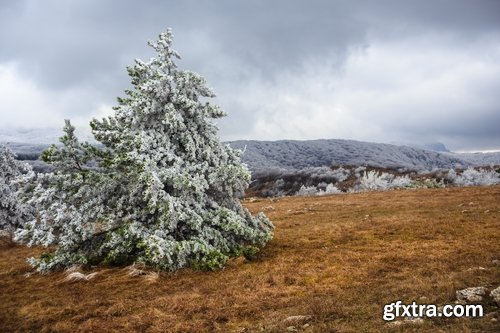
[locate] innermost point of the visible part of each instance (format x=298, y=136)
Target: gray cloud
x=275, y=65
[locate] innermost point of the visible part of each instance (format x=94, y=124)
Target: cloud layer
x=386, y=71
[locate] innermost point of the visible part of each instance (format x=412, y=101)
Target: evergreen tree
x=13, y=212
x=161, y=189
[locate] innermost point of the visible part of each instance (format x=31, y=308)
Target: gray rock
x=395, y=323
x=298, y=320
x=479, y=268
x=415, y=321
x=473, y=294
x=407, y=321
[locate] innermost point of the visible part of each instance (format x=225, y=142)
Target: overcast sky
x=382, y=71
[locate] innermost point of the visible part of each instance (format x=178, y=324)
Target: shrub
x=471, y=176
x=373, y=180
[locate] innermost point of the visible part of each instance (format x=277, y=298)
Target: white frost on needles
x=163, y=190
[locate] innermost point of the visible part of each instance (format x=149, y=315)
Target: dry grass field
x=337, y=258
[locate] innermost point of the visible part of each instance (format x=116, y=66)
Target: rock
x=395, y=323
x=495, y=294
x=495, y=262
x=407, y=321
x=77, y=276
x=298, y=320
x=474, y=294
x=415, y=321
x=477, y=269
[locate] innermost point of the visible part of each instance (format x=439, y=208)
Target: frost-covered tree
x=162, y=189
x=13, y=212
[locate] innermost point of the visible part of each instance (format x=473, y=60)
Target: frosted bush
x=13, y=211
x=321, y=189
x=433, y=183
x=330, y=189
x=320, y=174
x=401, y=182
x=307, y=191
x=427, y=183
x=471, y=176
x=278, y=189
x=373, y=180
x=341, y=174
x=358, y=170
x=377, y=181
x=162, y=190
x=452, y=175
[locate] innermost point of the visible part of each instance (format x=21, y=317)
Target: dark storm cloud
x=65, y=42
x=250, y=51
x=70, y=42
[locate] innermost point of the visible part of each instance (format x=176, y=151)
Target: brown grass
x=336, y=258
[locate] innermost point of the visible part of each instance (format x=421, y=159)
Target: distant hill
x=291, y=154
x=436, y=146
x=481, y=158
x=27, y=151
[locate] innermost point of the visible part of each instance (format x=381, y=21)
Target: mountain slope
x=481, y=158
x=291, y=154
